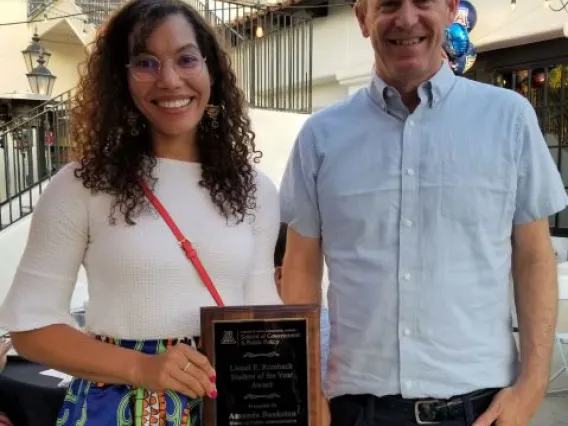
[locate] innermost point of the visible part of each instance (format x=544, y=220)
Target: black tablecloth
x=27, y=397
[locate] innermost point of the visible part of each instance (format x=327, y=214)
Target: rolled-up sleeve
x=540, y=190
x=298, y=190
x=40, y=294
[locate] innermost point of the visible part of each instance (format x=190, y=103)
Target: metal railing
x=271, y=52
x=35, y=5
x=97, y=11
x=32, y=149
x=63, y=97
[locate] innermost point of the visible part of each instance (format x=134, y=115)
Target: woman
x=157, y=114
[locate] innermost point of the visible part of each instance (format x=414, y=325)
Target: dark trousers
x=369, y=410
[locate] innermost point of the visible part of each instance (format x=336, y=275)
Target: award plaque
x=267, y=360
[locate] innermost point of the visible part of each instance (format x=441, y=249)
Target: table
x=27, y=397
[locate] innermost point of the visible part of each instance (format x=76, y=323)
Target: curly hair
x=113, y=160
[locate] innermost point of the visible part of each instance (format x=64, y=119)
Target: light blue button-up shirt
x=415, y=211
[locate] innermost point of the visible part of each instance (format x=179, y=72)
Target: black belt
x=434, y=411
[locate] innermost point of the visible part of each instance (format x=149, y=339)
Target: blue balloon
x=466, y=15
x=456, y=40
x=464, y=63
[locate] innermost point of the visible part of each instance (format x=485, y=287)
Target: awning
x=500, y=27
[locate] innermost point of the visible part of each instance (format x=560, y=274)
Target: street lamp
x=33, y=51
x=40, y=78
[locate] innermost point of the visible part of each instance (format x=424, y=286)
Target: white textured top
x=141, y=285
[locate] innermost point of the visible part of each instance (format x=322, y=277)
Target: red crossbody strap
x=183, y=242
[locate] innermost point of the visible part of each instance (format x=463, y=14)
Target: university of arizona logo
x=462, y=17
x=228, y=338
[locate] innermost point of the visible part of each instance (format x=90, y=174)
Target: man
x=423, y=192
x=324, y=315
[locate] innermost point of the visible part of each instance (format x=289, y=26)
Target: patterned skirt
x=89, y=403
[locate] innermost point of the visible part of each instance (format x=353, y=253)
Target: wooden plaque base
x=267, y=360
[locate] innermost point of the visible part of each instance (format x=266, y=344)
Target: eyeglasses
x=147, y=68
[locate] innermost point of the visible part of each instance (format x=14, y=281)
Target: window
x=547, y=90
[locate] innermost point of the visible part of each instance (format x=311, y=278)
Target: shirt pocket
x=477, y=192
x=360, y=212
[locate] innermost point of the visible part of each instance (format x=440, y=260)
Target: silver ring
x=186, y=366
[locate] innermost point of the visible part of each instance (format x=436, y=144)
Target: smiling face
x=407, y=36
x=168, y=79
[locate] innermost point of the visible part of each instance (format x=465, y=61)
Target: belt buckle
x=417, y=418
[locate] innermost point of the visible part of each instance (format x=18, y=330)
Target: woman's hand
x=180, y=368
x=5, y=346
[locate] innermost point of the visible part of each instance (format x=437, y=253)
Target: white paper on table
x=56, y=374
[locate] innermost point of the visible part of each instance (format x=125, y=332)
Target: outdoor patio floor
x=553, y=412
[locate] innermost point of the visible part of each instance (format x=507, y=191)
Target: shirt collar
x=432, y=90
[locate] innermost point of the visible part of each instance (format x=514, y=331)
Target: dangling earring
x=132, y=120
x=113, y=138
x=212, y=112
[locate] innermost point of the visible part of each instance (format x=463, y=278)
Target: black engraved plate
x=262, y=372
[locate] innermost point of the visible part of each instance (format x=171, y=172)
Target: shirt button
x=410, y=172
x=407, y=332
x=408, y=384
x=407, y=277
x=410, y=123
x=408, y=223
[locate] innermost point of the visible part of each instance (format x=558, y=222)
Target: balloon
x=466, y=15
x=464, y=63
x=456, y=41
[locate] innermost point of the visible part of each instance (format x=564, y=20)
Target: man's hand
x=5, y=346
x=513, y=406
x=536, y=299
